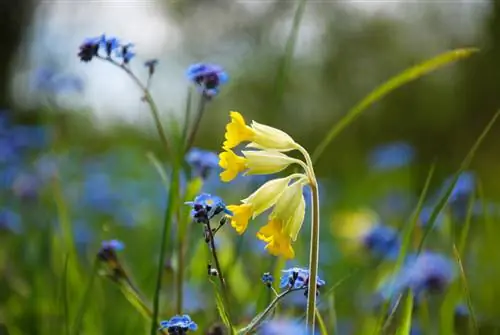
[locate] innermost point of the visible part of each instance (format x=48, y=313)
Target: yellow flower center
x=232, y=165
x=237, y=131
x=241, y=216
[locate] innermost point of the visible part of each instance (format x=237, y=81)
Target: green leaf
x=224, y=316
x=390, y=85
x=405, y=327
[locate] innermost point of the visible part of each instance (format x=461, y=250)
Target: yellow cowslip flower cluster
x=265, y=156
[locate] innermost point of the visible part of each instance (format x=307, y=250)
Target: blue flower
x=50, y=81
x=90, y=48
x=151, y=65
x=179, y=324
x=428, y=272
x=114, y=245
x=382, y=241
x=267, y=279
x=10, y=221
x=110, y=44
x=202, y=162
x=206, y=206
x=125, y=52
x=298, y=278
x=391, y=156
x=208, y=77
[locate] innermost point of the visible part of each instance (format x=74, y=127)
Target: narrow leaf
x=405, y=327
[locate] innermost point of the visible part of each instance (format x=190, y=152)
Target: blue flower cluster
x=179, y=325
x=206, y=206
x=382, y=242
x=105, y=47
x=298, y=278
x=202, y=162
x=267, y=279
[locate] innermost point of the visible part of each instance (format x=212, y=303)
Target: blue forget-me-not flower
x=382, y=241
x=206, y=206
x=208, y=77
x=179, y=325
x=298, y=278
x=202, y=162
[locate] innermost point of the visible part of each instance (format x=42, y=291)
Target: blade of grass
x=406, y=241
x=390, y=85
x=333, y=313
x=86, y=299
x=165, y=238
x=321, y=322
x=224, y=316
x=472, y=315
x=464, y=165
x=65, y=295
x=405, y=327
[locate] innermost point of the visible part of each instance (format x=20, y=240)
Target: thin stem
x=187, y=118
x=218, y=267
x=147, y=98
x=197, y=121
x=261, y=317
x=313, y=258
x=180, y=265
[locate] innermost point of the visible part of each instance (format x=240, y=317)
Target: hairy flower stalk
x=264, y=154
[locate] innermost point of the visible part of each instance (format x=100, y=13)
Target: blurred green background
x=344, y=50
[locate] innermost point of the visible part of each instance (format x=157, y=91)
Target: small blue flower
x=206, y=206
x=298, y=278
x=428, y=272
x=114, y=245
x=125, y=52
x=151, y=65
x=208, y=77
x=179, y=324
x=110, y=44
x=202, y=162
x=90, y=48
x=382, y=242
x=391, y=156
x=267, y=279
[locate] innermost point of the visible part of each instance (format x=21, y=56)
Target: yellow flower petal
x=278, y=243
x=266, y=196
x=232, y=165
x=241, y=216
x=237, y=131
x=266, y=161
x=271, y=138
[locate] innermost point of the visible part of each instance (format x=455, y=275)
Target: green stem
x=313, y=258
x=180, y=265
x=197, y=122
x=262, y=316
x=86, y=299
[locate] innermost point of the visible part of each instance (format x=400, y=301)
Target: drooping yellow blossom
x=237, y=131
x=278, y=242
x=254, y=162
x=284, y=194
x=258, y=202
x=232, y=165
x=260, y=135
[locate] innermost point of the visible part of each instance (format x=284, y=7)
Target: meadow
x=133, y=233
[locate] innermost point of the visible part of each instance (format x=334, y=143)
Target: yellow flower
x=278, y=242
x=232, y=165
x=261, y=136
x=241, y=216
x=237, y=131
x=255, y=162
x=258, y=202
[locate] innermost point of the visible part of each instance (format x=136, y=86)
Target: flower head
x=179, y=324
x=253, y=162
x=90, y=47
x=297, y=278
x=125, y=52
x=110, y=45
x=267, y=279
x=202, y=162
x=108, y=250
x=208, y=77
x=428, y=272
x=382, y=241
x=151, y=65
x=206, y=206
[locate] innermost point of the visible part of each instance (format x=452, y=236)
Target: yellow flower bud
x=237, y=131
x=232, y=165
